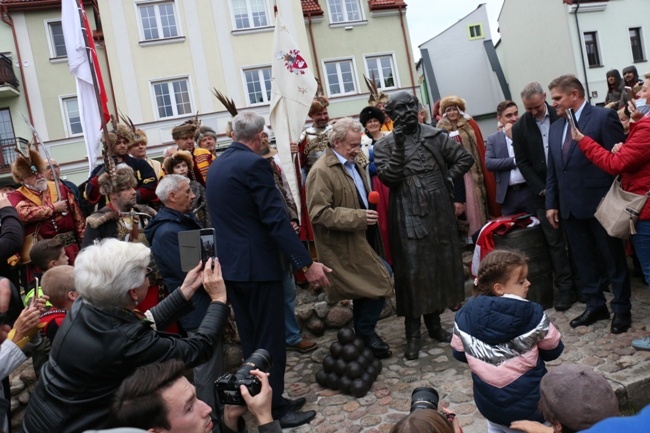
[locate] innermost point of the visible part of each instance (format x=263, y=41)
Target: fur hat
x=176, y=158
x=26, y=165
x=186, y=129
x=112, y=183
x=450, y=101
x=120, y=131
x=139, y=137
x=577, y=397
x=371, y=113
x=317, y=105
x=204, y=131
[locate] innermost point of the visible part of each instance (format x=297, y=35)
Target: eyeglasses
x=150, y=272
x=453, y=108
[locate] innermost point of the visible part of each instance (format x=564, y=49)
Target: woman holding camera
x=104, y=338
x=428, y=421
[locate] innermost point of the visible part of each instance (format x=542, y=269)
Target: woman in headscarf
x=614, y=89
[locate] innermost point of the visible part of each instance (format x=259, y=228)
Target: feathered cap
x=230, y=106
x=186, y=129
x=376, y=95
x=120, y=179
x=450, y=101
x=139, y=136
x=204, y=131
x=27, y=164
x=320, y=101
x=119, y=131
x=176, y=158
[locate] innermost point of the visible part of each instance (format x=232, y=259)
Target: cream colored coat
x=339, y=224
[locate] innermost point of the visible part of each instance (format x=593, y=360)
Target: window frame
x=641, y=48
x=393, y=61
x=161, y=39
x=596, y=46
x=355, y=83
x=54, y=57
x=345, y=21
x=259, y=69
x=267, y=14
x=65, y=115
x=475, y=37
x=168, y=81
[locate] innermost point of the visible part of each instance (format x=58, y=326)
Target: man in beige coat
x=345, y=231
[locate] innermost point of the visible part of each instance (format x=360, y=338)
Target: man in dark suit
x=254, y=239
x=530, y=143
x=574, y=188
x=512, y=191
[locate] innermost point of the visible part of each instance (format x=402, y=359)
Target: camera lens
x=260, y=360
x=424, y=398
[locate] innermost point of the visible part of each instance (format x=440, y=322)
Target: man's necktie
x=567, y=143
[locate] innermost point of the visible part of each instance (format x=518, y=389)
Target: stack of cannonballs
x=350, y=366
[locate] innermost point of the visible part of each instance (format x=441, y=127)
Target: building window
x=344, y=10
x=249, y=13
x=475, y=31
x=71, y=115
x=340, y=78
x=172, y=98
x=258, y=85
x=591, y=48
x=57, y=43
x=158, y=21
x=636, y=41
x=383, y=70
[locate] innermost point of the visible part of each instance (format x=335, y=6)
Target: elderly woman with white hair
x=104, y=339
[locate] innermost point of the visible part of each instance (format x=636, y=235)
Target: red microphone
x=373, y=200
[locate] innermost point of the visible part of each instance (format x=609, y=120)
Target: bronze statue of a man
x=419, y=164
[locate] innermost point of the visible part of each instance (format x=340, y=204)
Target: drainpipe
x=6, y=18
x=408, y=50
x=582, y=54
x=313, y=48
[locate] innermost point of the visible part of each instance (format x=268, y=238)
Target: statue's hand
x=398, y=133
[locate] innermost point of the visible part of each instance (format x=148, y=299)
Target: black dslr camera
x=424, y=398
x=227, y=386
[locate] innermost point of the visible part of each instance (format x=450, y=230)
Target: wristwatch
x=304, y=269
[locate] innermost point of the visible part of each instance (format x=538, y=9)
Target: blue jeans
x=641, y=242
x=292, y=329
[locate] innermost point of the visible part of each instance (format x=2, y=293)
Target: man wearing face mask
x=419, y=164
x=44, y=209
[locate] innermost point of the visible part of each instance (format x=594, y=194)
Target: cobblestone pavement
x=388, y=400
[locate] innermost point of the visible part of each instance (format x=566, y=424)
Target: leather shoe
x=295, y=419
x=296, y=404
x=303, y=347
x=589, y=317
x=565, y=300
x=621, y=323
x=440, y=334
x=379, y=348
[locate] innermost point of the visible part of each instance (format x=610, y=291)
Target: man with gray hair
x=174, y=216
x=252, y=225
x=345, y=231
x=530, y=143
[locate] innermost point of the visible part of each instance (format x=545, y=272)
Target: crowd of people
x=101, y=270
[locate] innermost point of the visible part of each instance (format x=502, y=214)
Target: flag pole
x=86, y=31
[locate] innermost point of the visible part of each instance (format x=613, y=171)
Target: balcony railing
x=8, y=152
x=7, y=76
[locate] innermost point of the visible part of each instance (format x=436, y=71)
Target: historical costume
x=201, y=158
x=36, y=206
x=120, y=140
x=418, y=163
x=480, y=186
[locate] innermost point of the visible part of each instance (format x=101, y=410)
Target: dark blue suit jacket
x=576, y=185
x=253, y=232
x=499, y=162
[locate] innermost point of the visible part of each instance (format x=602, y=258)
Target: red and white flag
x=83, y=70
x=293, y=88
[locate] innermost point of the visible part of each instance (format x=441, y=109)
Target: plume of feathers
x=226, y=101
x=127, y=120
x=372, y=86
